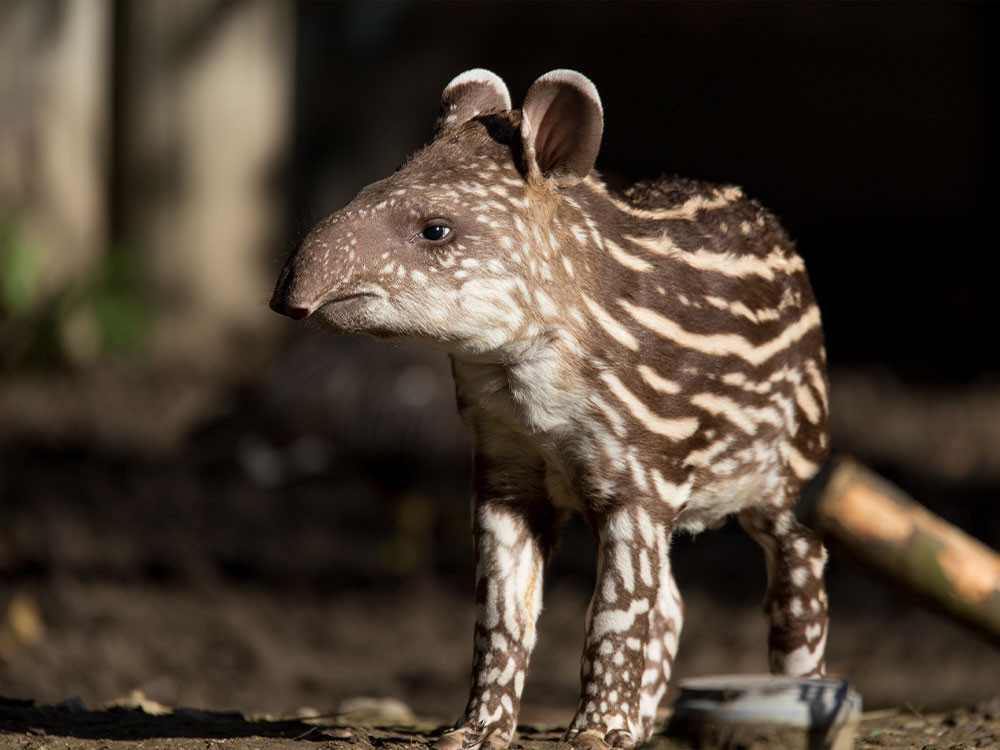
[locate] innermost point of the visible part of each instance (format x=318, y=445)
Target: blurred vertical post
x=54, y=115
x=204, y=120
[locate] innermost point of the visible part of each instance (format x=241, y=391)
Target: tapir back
x=701, y=342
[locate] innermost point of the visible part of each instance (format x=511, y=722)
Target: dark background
x=291, y=528
x=865, y=127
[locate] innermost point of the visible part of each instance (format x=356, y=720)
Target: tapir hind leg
x=796, y=604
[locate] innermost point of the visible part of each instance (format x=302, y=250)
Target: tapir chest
x=546, y=423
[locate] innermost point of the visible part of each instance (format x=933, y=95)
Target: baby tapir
x=653, y=360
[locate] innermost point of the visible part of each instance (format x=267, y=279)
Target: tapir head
x=451, y=247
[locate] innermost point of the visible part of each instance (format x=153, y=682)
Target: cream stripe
x=657, y=382
x=728, y=408
x=729, y=264
x=707, y=455
x=613, y=417
x=807, y=402
x=818, y=381
x=738, y=308
x=723, y=344
x=614, y=329
x=638, y=471
x=759, y=316
x=675, y=429
x=674, y=495
x=686, y=210
x=801, y=466
x=627, y=259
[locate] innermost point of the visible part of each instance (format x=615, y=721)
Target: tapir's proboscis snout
x=310, y=276
x=280, y=300
x=330, y=273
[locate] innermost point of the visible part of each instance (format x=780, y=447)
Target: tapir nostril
x=280, y=300
x=295, y=313
x=281, y=305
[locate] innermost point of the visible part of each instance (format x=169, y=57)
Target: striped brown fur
x=653, y=360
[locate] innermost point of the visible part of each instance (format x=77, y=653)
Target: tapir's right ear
x=561, y=128
x=469, y=94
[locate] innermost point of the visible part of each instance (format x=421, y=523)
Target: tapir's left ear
x=469, y=94
x=561, y=127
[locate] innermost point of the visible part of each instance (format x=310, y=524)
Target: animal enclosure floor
x=228, y=649
x=26, y=726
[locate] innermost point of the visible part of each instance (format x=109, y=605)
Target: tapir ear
x=561, y=127
x=469, y=94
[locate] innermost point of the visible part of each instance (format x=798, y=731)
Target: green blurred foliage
x=104, y=315
x=20, y=269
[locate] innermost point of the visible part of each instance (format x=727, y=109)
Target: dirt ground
x=235, y=549
x=26, y=726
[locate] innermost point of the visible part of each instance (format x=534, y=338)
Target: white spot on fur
x=609, y=589
x=545, y=304
x=617, y=620
x=799, y=576
x=622, y=560
x=645, y=570
x=817, y=563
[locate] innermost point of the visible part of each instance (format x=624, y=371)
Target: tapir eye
x=435, y=232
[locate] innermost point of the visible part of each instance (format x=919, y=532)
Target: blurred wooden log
x=888, y=532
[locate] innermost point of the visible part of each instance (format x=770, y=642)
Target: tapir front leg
x=513, y=538
x=632, y=568
x=665, y=623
